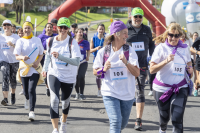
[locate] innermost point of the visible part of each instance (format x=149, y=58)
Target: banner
x=6, y=1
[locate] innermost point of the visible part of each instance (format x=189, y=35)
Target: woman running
x=29, y=51
x=61, y=61
x=170, y=89
x=10, y=63
x=96, y=44
x=44, y=37
x=117, y=63
x=85, y=54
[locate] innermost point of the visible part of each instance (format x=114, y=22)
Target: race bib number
x=118, y=73
x=4, y=45
x=139, y=46
x=178, y=67
x=59, y=62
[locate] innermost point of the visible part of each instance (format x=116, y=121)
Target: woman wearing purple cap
x=170, y=88
x=117, y=63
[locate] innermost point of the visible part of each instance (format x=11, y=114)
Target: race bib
x=4, y=45
x=139, y=46
x=178, y=67
x=59, y=62
x=118, y=73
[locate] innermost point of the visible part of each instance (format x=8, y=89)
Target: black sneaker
x=4, y=102
x=138, y=124
x=48, y=93
x=82, y=97
x=13, y=99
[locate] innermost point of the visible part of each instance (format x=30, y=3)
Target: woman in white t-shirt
x=118, y=75
x=61, y=61
x=29, y=51
x=170, y=88
x=8, y=42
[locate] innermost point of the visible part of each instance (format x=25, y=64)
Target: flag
x=6, y=1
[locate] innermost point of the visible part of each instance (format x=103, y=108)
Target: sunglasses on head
x=174, y=35
x=6, y=24
x=138, y=16
x=63, y=27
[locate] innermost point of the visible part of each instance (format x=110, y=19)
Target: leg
x=25, y=84
x=83, y=69
x=98, y=81
x=54, y=86
x=125, y=111
x=77, y=84
x=151, y=78
x=178, y=103
x=113, y=110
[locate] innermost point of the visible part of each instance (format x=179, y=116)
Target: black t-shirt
x=196, y=44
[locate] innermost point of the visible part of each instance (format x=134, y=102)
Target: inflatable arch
x=152, y=14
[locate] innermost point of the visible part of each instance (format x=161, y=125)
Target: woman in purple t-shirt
x=85, y=54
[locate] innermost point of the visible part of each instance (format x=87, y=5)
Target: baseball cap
x=137, y=11
x=64, y=22
x=116, y=27
x=54, y=21
x=74, y=25
x=7, y=22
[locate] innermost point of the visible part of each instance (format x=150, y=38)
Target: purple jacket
x=44, y=37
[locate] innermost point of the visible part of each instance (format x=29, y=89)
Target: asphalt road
x=88, y=116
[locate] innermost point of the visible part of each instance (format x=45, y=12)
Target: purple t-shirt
x=44, y=37
x=84, y=45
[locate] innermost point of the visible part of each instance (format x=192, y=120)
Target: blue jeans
x=118, y=112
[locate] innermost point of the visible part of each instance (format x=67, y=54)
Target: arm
x=46, y=63
x=190, y=69
x=194, y=52
x=73, y=61
x=92, y=49
x=20, y=57
x=154, y=68
x=88, y=55
x=134, y=70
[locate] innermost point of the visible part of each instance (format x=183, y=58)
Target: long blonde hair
x=171, y=27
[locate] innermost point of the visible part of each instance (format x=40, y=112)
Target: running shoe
x=48, y=92
x=99, y=93
x=55, y=130
x=4, y=102
x=82, y=97
x=138, y=124
x=63, y=126
x=77, y=96
x=160, y=131
x=21, y=92
x=31, y=116
x=26, y=104
x=195, y=93
x=146, y=82
x=150, y=93
x=13, y=99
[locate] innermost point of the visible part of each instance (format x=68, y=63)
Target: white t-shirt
x=25, y=47
x=2, y=56
x=8, y=50
x=165, y=75
x=66, y=74
x=123, y=89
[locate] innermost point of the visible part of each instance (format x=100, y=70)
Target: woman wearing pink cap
x=117, y=63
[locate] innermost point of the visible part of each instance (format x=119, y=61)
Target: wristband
x=127, y=63
x=101, y=71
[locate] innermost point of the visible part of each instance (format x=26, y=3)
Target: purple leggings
x=98, y=81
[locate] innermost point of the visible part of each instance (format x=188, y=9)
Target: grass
x=80, y=16
x=2, y=18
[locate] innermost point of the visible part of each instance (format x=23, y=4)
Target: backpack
x=51, y=42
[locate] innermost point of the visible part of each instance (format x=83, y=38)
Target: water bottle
x=192, y=14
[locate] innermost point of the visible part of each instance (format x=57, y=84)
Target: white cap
x=6, y=22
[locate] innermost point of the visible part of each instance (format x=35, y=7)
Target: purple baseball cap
x=116, y=27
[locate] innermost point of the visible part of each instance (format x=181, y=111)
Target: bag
x=50, y=45
x=197, y=64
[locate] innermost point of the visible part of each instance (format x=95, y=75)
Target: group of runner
x=60, y=58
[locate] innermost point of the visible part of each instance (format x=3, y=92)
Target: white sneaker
x=55, y=130
x=150, y=93
x=31, y=116
x=99, y=93
x=63, y=126
x=77, y=96
x=21, y=92
x=26, y=104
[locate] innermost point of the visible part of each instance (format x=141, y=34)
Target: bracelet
x=127, y=63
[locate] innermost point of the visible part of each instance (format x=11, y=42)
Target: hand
x=25, y=58
x=10, y=44
x=99, y=47
x=87, y=58
x=190, y=70
x=123, y=58
x=44, y=74
x=45, y=51
x=107, y=66
x=170, y=58
x=55, y=54
x=35, y=64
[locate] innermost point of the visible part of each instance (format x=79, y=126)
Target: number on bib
x=118, y=73
x=4, y=45
x=139, y=46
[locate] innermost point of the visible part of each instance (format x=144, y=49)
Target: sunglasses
x=138, y=16
x=63, y=27
x=174, y=35
x=6, y=24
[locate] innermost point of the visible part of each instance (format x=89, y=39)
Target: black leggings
x=42, y=63
x=54, y=87
x=174, y=106
x=151, y=78
x=29, y=87
x=80, y=79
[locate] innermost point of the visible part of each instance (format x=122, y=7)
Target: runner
x=20, y=32
x=64, y=54
x=44, y=37
x=13, y=30
x=54, y=23
x=119, y=72
x=85, y=54
x=96, y=44
x=74, y=26
x=29, y=51
x=170, y=88
x=9, y=65
x=140, y=36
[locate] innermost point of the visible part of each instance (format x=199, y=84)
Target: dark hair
x=76, y=31
x=196, y=33
x=19, y=30
x=109, y=39
x=48, y=23
x=172, y=22
x=13, y=25
x=101, y=25
x=54, y=21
